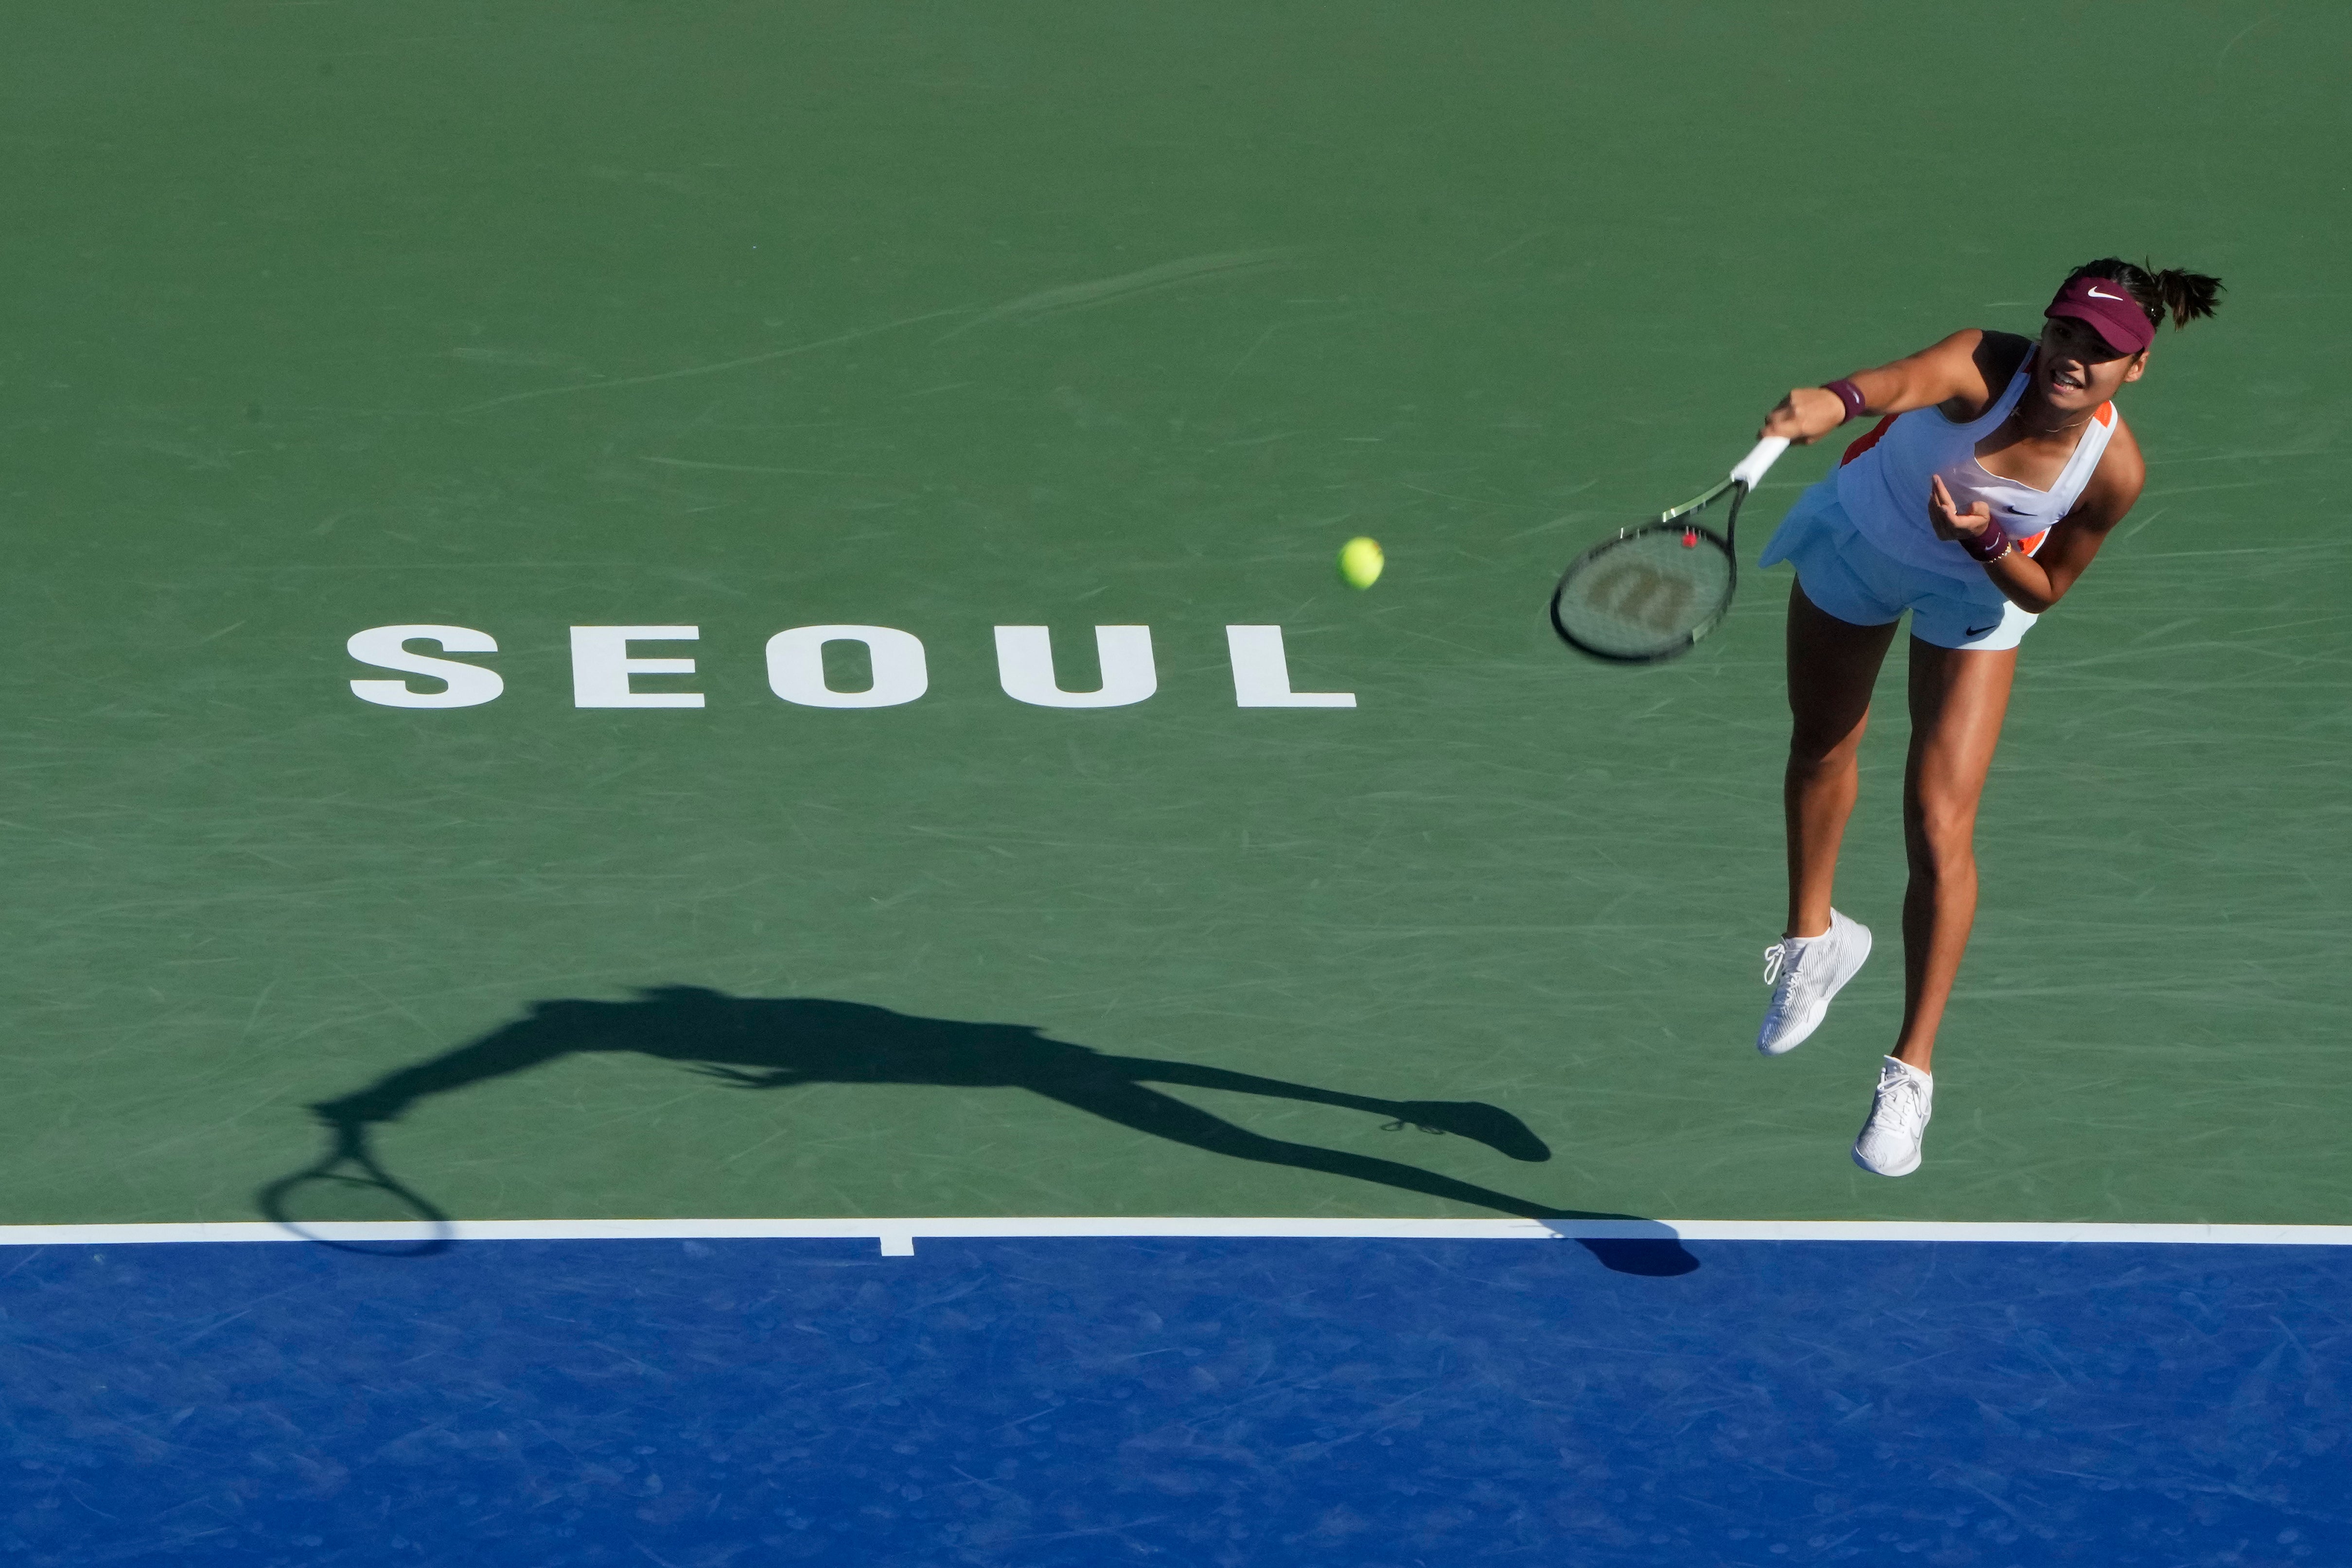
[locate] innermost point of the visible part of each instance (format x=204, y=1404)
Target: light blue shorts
x=1851, y=578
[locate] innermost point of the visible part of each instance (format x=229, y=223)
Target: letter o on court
x=468, y=685
x=796, y=667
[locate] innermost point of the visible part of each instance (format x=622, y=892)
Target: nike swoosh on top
x=2095, y=294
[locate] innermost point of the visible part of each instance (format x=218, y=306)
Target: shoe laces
x=1902, y=1106
x=1783, y=955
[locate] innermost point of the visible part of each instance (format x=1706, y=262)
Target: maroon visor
x=2108, y=309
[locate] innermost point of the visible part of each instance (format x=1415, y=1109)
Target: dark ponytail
x=2184, y=296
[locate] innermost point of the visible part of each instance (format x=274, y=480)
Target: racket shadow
x=765, y=1044
x=349, y=1171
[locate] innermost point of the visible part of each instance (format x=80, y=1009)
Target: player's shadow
x=758, y=1043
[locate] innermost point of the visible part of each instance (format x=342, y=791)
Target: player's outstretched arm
x=1968, y=368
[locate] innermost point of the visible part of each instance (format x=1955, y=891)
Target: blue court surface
x=693, y=1403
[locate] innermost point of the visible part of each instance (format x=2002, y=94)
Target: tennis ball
x=1360, y=561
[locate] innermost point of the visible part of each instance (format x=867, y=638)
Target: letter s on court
x=469, y=685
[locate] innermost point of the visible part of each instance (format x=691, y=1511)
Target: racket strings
x=1652, y=592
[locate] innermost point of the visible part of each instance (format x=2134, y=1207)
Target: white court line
x=897, y=1236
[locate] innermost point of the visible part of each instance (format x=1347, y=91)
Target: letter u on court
x=1024, y=668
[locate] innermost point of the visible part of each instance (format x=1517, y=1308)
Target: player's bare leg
x=1958, y=700
x=1833, y=665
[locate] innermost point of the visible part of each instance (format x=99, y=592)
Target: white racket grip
x=1750, y=471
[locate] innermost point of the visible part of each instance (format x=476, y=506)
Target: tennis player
x=1997, y=468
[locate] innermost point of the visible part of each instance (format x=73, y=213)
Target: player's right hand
x=1945, y=516
x=1805, y=415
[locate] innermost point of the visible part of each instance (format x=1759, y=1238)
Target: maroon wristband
x=1975, y=544
x=1848, y=394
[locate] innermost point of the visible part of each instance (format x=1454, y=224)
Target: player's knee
x=1823, y=747
x=1941, y=834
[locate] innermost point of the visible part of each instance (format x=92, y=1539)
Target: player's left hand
x=1947, y=519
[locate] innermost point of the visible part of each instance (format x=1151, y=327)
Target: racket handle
x=1750, y=471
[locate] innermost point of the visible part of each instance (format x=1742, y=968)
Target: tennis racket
x=1652, y=592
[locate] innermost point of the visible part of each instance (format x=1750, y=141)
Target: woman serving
x=1994, y=474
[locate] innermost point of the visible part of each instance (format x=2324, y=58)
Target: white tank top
x=1881, y=482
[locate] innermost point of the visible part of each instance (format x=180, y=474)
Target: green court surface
x=324, y=317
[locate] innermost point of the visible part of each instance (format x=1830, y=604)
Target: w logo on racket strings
x=1642, y=593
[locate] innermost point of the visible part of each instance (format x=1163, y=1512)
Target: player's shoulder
x=2122, y=471
x=1972, y=340
x=1968, y=368
x=1998, y=353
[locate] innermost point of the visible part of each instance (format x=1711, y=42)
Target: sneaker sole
x=1916, y=1160
x=1791, y=1039
x=1797, y=1034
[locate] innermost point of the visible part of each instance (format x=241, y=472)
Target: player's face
x=2076, y=369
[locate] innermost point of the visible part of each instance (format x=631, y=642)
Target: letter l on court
x=1262, y=673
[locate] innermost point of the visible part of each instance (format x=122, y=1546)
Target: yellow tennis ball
x=1360, y=561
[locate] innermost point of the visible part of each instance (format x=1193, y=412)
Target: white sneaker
x=1889, y=1144
x=1809, y=971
